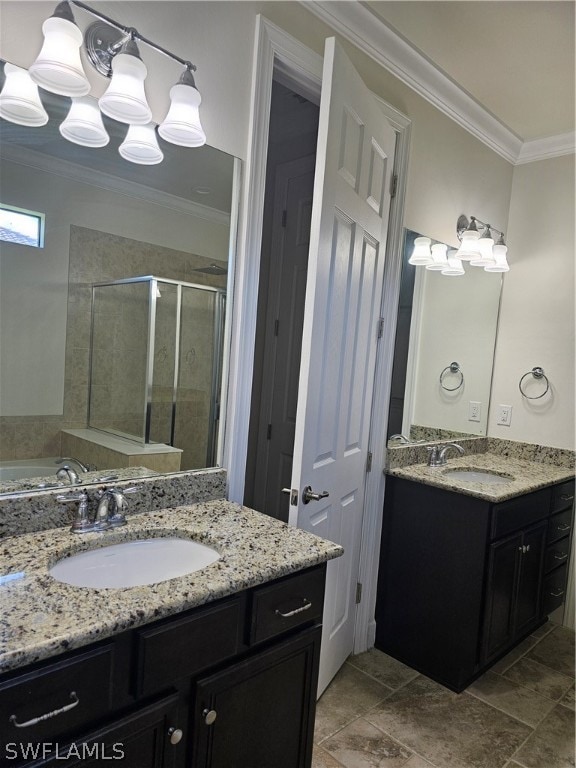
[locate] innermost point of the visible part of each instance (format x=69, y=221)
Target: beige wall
x=537, y=314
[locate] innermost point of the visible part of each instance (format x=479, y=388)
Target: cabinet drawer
x=557, y=553
x=182, y=647
x=286, y=604
x=69, y=694
x=559, y=525
x=520, y=512
x=554, y=592
x=563, y=496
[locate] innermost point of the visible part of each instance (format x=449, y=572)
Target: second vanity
x=470, y=568
x=214, y=669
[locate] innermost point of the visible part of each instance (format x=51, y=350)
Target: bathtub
x=24, y=468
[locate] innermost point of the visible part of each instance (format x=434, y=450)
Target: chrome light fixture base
x=102, y=43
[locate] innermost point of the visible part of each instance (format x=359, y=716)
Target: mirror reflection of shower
x=156, y=357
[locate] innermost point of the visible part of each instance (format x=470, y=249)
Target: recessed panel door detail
x=343, y=298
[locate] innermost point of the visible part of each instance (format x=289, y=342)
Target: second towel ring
x=452, y=368
x=537, y=373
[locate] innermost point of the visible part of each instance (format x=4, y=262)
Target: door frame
x=294, y=64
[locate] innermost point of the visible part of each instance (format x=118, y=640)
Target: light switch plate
x=504, y=415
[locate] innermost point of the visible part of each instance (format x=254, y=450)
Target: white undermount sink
x=477, y=476
x=134, y=563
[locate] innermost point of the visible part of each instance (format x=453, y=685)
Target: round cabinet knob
x=175, y=735
x=209, y=716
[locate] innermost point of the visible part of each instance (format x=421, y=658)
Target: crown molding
x=78, y=173
x=544, y=149
x=357, y=24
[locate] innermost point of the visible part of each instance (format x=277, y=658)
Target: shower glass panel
x=156, y=364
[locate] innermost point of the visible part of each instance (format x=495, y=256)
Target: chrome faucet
x=112, y=505
x=437, y=454
x=82, y=522
x=68, y=474
x=82, y=467
x=399, y=438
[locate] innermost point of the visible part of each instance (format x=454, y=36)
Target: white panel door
x=342, y=308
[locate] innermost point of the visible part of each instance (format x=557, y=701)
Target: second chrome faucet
x=437, y=453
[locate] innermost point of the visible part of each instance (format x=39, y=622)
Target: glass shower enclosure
x=156, y=364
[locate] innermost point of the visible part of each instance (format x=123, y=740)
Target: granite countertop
x=526, y=475
x=42, y=617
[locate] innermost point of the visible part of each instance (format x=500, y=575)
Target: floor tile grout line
x=394, y=738
x=348, y=722
x=504, y=712
x=392, y=690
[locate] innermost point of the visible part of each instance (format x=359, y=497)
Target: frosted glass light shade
x=141, y=145
x=485, y=256
x=58, y=67
x=125, y=99
x=20, y=101
x=453, y=266
x=439, y=260
x=83, y=124
x=500, y=260
x=182, y=123
x=421, y=255
x=469, y=248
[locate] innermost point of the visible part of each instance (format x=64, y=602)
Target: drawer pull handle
x=48, y=715
x=563, y=527
x=557, y=594
x=307, y=605
x=209, y=716
x=560, y=557
x=565, y=497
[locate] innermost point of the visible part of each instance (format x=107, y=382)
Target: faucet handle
x=81, y=522
x=432, y=455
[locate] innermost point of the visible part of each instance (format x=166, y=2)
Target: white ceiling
x=505, y=71
x=514, y=58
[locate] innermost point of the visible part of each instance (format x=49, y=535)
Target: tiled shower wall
x=94, y=257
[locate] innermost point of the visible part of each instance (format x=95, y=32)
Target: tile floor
x=378, y=713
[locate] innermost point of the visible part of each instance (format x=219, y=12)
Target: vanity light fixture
x=20, y=101
x=422, y=254
x=439, y=259
x=83, y=124
x=111, y=48
x=453, y=266
x=479, y=248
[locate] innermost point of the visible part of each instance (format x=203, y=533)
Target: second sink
x=477, y=476
x=134, y=563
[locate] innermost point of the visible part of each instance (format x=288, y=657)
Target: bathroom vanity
x=218, y=668
x=467, y=573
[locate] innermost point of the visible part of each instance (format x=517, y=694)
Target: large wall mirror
x=115, y=325
x=444, y=352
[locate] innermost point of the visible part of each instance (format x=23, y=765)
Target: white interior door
x=343, y=295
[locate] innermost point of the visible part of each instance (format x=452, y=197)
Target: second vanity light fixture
x=477, y=247
x=113, y=51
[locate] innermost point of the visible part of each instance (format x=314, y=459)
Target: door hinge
x=269, y=432
x=284, y=215
x=358, y=593
x=393, y=184
x=369, y=462
x=380, y=327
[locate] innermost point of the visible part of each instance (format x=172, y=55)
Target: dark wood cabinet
x=513, y=588
x=143, y=696
x=462, y=580
x=259, y=712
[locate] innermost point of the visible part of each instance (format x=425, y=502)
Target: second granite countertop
x=525, y=476
x=42, y=617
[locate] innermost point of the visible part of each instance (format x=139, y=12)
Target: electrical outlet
x=474, y=410
x=504, y=415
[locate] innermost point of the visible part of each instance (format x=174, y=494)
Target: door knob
x=175, y=735
x=209, y=716
x=309, y=495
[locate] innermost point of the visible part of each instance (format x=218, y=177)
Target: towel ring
x=452, y=368
x=537, y=373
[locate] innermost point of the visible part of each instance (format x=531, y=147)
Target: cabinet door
x=530, y=578
x=259, y=713
x=503, y=570
x=139, y=740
